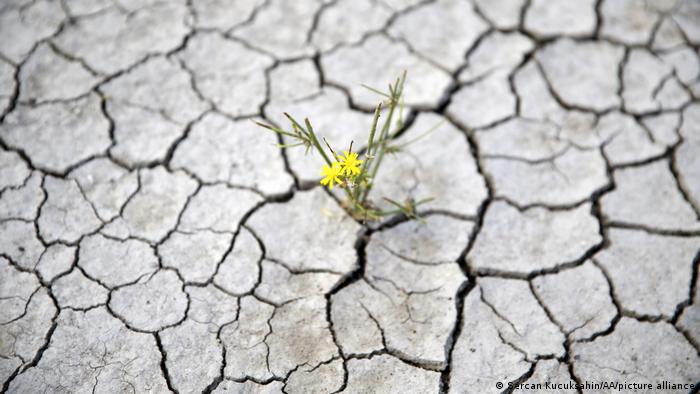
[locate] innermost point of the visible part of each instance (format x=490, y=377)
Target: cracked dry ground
x=153, y=240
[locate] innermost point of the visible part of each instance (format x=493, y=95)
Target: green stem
x=317, y=145
x=368, y=153
x=381, y=144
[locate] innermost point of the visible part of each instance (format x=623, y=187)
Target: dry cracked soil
x=152, y=239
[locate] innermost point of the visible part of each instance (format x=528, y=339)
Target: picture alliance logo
x=662, y=386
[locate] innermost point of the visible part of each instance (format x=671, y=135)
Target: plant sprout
x=356, y=172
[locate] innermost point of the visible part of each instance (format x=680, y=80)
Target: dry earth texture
x=153, y=239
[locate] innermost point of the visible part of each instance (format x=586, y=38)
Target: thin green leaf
x=291, y=119
x=314, y=141
x=335, y=156
x=424, y=201
x=375, y=90
x=303, y=133
x=279, y=131
x=395, y=203
x=290, y=145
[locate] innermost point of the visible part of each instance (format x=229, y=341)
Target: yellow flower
x=350, y=164
x=331, y=174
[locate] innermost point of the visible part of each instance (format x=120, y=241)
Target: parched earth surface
x=152, y=239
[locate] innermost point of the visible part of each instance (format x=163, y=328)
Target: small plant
x=355, y=172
